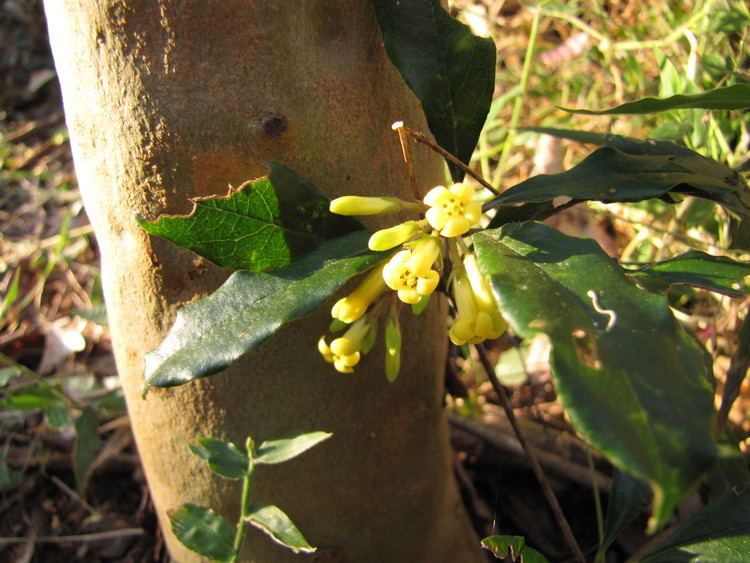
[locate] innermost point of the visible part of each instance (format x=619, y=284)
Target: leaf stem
x=247, y=487
x=420, y=138
x=518, y=102
x=531, y=456
x=597, y=505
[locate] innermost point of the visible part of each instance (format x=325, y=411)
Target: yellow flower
x=410, y=271
x=478, y=316
x=452, y=210
x=358, y=205
x=344, y=352
x=350, y=308
x=385, y=239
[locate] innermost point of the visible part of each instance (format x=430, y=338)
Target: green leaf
x=514, y=548
x=8, y=374
x=86, y=446
x=717, y=534
x=633, y=382
x=203, y=531
x=736, y=96
x=696, y=269
x=57, y=415
x=224, y=458
x=210, y=334
x=35, y=396
x=645, y=171
x=271, y=520
x=12, y=294
x=278, y=451
x=9, y=478
x=450, y=70
x=264, y=225
x=628, y=499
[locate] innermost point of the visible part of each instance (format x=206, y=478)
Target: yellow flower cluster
x=412, y=272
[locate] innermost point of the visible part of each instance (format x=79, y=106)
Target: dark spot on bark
x=270, y=124
x=348, y=177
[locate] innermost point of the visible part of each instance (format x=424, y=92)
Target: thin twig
x=420, y=138
x=72, y=494
x=531, y=455
x=96, y=536
x=403, y=138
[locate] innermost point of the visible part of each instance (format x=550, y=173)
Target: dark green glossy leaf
x=720, y=533
x=645, y=171
x=57, y=415
x=283, y=449
x=264, y=225
x=736, y=96
x=609, y=175
x=271, y=520
x=625, y=370
x=450, y=70
x=696, y=269
x=627, y=500
x=203, y=531
x=731, y=472
x=224, y=458
x=210, y=334
x=86, y=446
x=514, y=548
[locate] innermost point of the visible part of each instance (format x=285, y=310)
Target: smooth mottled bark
x=171, y=100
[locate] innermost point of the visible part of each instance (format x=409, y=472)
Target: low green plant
x=202, y=530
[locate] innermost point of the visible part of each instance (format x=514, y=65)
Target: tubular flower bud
x=344, y=352
x=358, y=205
x=385, y=239
x=392, y=347
x=452, y=210
x=410, y=271
x=478, y=318
x=353, y=306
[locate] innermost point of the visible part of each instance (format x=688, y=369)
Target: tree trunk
x=169, y=100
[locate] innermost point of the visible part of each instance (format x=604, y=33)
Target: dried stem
x=529, y=451
x=420, y=138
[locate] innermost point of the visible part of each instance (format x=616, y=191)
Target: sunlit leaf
x=210, y=334
x=271, y=520
x=264, y=225
x=8, y=374
x=625, y=370
x=736, y=96
x=224, y=458
x=696, y=269
x=204, y=531
x=283, y=449
x=646, y=171
x=450, y=70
